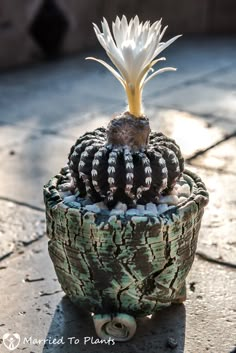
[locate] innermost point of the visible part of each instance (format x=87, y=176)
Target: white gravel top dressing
x=178, y=195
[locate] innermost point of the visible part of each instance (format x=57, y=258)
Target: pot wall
x=135, y=264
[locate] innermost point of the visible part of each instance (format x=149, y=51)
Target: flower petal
x=110, y=68
x=144, y=73
x=163, y=32
x=160, y=71
x=124, y=27
x=119, y=64
x=165, y=45
x=128, y=53
x=117, y=33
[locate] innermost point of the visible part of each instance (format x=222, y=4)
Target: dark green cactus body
x=125, y=162
x=134, y=265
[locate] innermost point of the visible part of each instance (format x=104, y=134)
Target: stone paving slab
x=24, y=173
x=19, y=227
x=217, y=169
x=220, y=159
x=46, y=97
x=217, y=238
x=210, y=102
x=211, y=309
x=223, y=79
x=12, y=137
x=190, y=131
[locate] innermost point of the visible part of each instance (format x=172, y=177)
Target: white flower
x=132, y=50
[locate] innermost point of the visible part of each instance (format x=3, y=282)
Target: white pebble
x=184, y=190
x=121, y=206
x=177, y=187
x=182, y=199
x=150, y=213
x=133, y=212
x=170, y=207
x=151, y=207
x=112, y=218
x=162, y=208
x=71, y=198
x=66, y=187
x=115, y=212
x=85, y=202
x=64, y=194
x=141, y=208
x=174, y=191
x=93, y=208
x=181, y=180
x=169, y=199
x=101, y=205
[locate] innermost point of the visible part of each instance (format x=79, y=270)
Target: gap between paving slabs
x=216, y=242
x=21, y=225
x=217, y=143
x=203, y=77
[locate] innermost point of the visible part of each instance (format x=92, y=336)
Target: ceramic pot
x=122, y=267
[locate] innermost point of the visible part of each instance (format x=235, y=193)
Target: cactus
x=125, y=162
x=126, y=168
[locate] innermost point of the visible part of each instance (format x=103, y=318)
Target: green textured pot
x=121, y=267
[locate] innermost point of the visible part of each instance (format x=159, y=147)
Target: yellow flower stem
x=134, y=96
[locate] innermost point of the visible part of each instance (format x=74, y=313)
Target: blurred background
x=33, y=29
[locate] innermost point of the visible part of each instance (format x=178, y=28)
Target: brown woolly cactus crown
x=127, y=162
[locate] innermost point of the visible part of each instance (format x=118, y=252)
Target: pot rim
x=197, y=200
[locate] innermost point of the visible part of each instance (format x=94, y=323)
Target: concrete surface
x=42, y=111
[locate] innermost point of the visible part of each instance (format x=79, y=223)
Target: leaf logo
x=11, y=341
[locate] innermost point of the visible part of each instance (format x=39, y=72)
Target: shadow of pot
x=75, y=329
